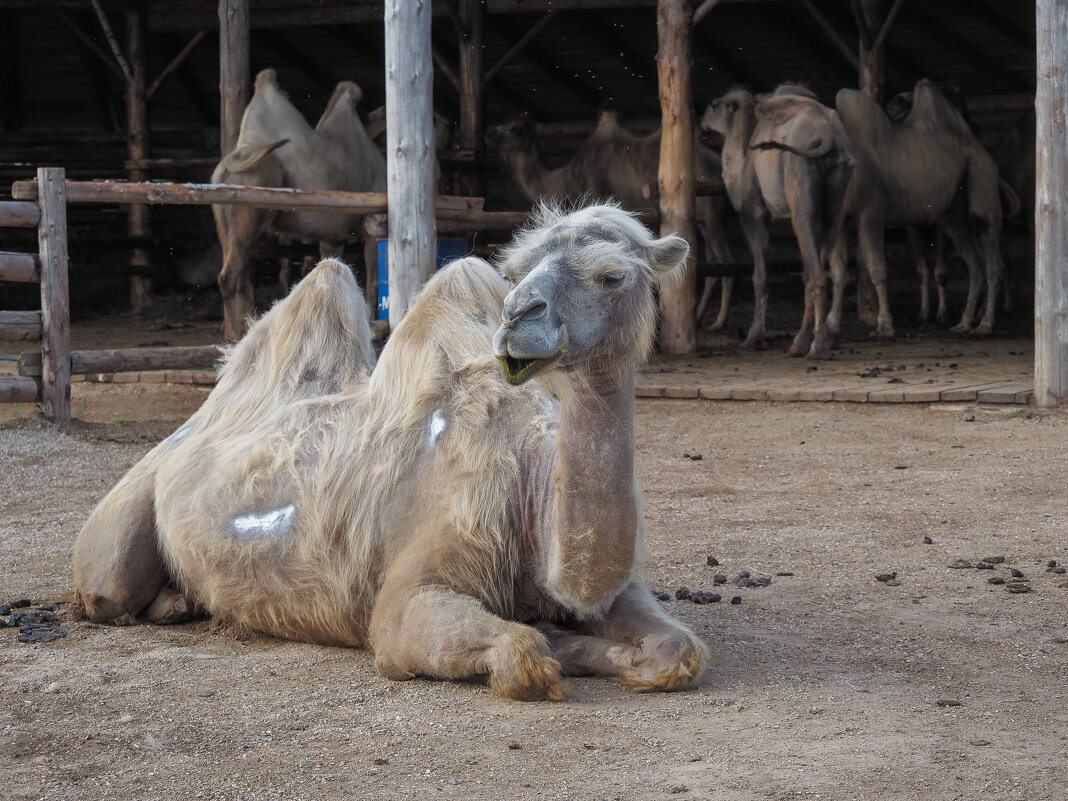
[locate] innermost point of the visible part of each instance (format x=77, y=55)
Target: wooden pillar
x=472, y=133
x=139, y=220
x=234, y=78
x=409, y=153
x=872, y=78
x=678, y=326
x=1051, y=204
x=55, y=296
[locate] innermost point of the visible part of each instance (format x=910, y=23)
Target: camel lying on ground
x=928, y=169
x=784, y=157
x=457, y=517
x=614, y=163
x=276, y=147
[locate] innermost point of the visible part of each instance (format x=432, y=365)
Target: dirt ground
x=829, y=683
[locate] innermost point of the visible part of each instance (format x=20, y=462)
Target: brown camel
x=445, y=509
x=784, y=157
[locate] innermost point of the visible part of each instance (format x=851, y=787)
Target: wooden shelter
x=154, y=88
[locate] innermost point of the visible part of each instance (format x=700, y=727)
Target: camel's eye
x=613, y=280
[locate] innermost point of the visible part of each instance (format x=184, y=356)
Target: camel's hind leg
x=118, y=569
x=636, y=641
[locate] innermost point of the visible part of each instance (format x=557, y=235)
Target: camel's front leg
x=636, y=641
x=434, y=632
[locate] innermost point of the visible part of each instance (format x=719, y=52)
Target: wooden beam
x=234, y=81
x=517, y=48
x=19, y=267
x=409, y=153
x=175, y=62
x=19, y=215
x=113, y=42
x=19, y=390
x=139, y=217
x=20, y=326
x=55, y=295
x=258, y=197
x=832, y=34
x=1051, y=204
x=207, y=109
x=87, y=41
x=471, y=135
x=674, y=21
x=702, y=10
x=96, y=64
x=128, y=360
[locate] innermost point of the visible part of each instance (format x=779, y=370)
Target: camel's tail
x=244, y=158
x=822, y=149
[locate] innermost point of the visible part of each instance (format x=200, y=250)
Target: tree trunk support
x=678, y=328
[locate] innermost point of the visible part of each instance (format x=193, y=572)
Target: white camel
x=927, y=169
x=785, y=157
x=276, y=147
x=445, y=509
x=614, y=163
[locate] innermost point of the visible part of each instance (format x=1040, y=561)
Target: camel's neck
x=534, y=178
x=736, y=152
x=595, y=521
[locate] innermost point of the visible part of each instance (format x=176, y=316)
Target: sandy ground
x=829, y=683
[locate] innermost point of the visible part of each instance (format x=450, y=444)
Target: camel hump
x=244, y=158
x=267, y=77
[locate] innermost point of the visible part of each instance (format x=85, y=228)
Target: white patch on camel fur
x=269, y=524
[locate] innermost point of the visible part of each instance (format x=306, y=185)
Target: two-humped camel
x=614, y=163
x=276, y=147
x=784, y=157
x=457, y=517
x=927, y=169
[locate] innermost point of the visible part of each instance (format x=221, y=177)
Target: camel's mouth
x=517, y=370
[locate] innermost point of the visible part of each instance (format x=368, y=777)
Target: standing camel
x=444, y=509
x=785, y=158
x=927, y=169
x=614, y=163
x=276, y=147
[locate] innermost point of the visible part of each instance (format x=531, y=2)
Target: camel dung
x=996, y=580
x=682, y=593
x=1016, y=573
x=1018, y=587
x=737, y=599
x=714, y=562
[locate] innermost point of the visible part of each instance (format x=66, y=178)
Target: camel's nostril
x=533, y=309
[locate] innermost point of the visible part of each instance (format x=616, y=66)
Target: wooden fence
x=42, y=204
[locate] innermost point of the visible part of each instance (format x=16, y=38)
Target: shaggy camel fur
x=443, y=509
x=928, y=169
x=784, y=157
x=614, y=163
x=277, y=148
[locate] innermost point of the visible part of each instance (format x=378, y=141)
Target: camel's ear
x=667, y=254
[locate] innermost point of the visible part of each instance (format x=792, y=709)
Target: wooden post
x=409, y=152
x=1051, y=204
x=234, y=80
x=678, y=328
x=139, y=219
x=472, y=134
x=55, y=299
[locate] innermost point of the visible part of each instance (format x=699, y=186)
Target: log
x=20, y=326
x=472, y=133
x=234, y=77
x=19, y=215
x=128, y=360
x=409, y=152
x=55, y=296
x=19, y=390
x=232, y=195
x=138, y=216
x=678, y=329
x=1051, y=203
x=20, y=267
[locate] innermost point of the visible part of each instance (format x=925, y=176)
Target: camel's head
x=516, y=135
x=583, y=292
x=720, y=115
